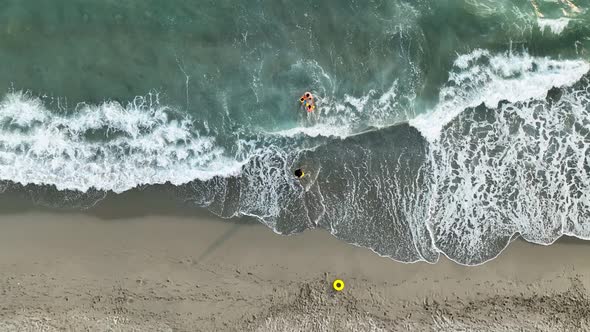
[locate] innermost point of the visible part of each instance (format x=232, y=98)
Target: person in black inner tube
x=299, y=173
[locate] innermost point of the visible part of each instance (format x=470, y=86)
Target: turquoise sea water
x=443, y=127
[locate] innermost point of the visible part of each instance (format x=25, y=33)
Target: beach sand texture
x=81, y=272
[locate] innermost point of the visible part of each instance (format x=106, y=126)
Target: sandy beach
x=88, y=272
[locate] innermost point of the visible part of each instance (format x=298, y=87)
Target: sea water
x=442, y=127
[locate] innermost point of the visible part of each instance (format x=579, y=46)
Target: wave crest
x=481, y=77
x=107, y=147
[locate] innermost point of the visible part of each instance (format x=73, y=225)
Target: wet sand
x=75, y=271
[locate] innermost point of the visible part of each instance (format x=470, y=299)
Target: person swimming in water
x=299, y=173
x=308, y=102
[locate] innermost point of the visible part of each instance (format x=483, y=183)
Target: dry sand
x=85, y=273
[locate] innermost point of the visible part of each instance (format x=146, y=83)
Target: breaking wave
x=482, y=77
x=504, y=152
x=111, y=147
x=556, y=26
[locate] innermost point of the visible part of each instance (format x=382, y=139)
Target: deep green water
x=248, y=62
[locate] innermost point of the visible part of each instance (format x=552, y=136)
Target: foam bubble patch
x=521, y=168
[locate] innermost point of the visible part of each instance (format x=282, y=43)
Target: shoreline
x=74, y=271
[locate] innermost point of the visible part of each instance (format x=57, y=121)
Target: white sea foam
x=516, y=169
x=321, y=129
x=481, y=77
x=522, y=168
x=351, y=115
x=107, y=146
x=556, y=26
